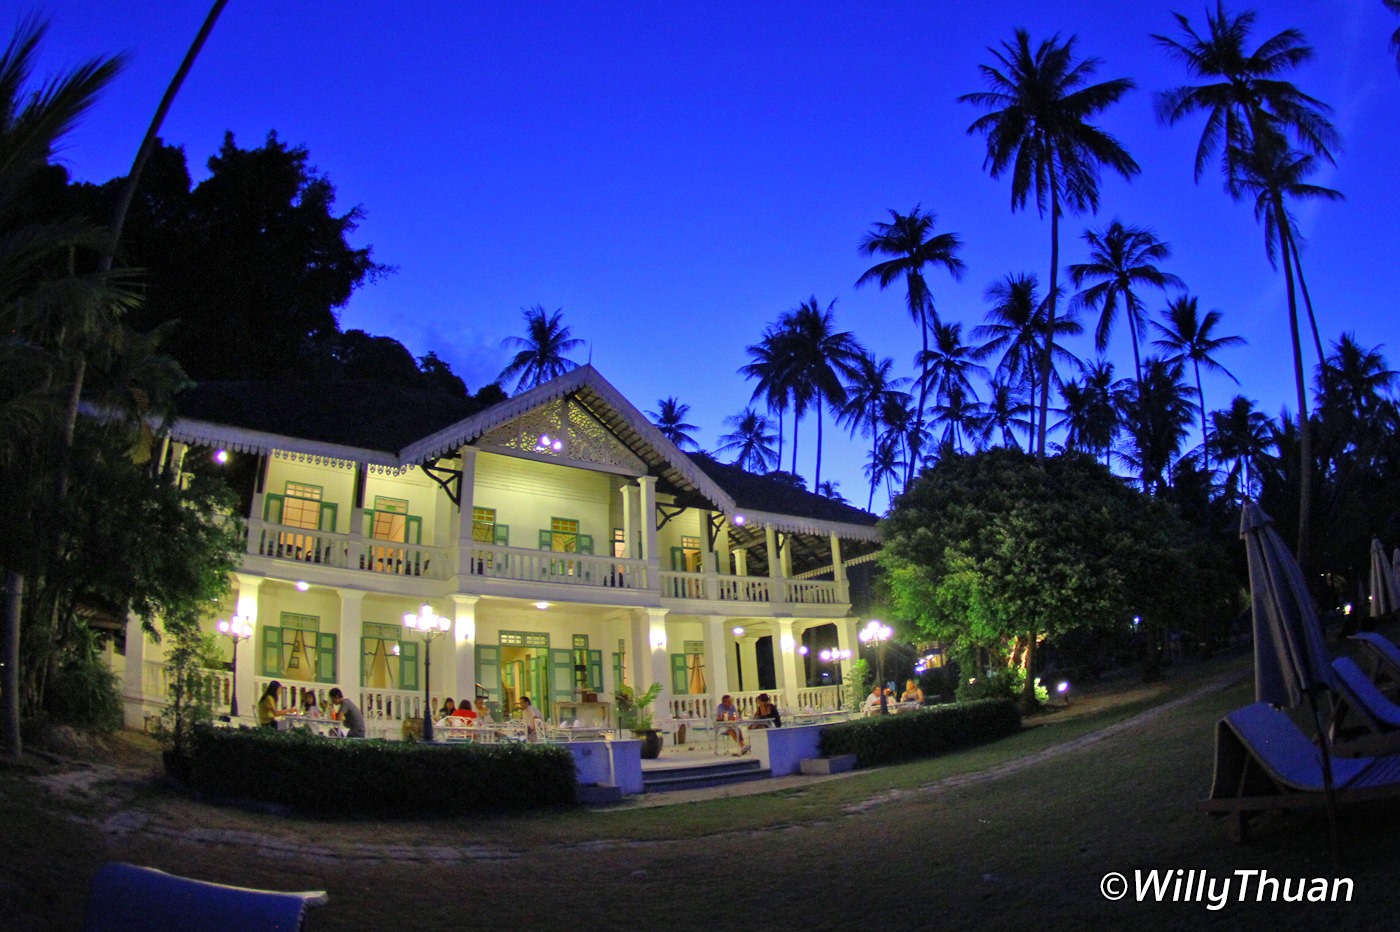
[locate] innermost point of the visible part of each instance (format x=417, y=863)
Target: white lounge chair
x=1264, y=762
x=127, y=898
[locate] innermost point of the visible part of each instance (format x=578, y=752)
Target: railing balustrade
x=581, y=569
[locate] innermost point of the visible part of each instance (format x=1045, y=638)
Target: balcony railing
x=489, y=561
x=579, y=569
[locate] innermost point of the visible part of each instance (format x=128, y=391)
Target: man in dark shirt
x=350, y=714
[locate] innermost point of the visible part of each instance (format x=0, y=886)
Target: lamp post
x=878, y=632
x=836, y=655
x=238, y=628
x=428, y=625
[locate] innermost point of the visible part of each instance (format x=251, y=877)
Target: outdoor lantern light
x=738, y=632
x=302, y=585
x=221, y=457
x=739, y=520
x=803, y=650
x=878, y=632
x=237, y=628
x=428, y=625
x=541, y=605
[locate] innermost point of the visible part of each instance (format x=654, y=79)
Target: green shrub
x=354, y=777
x=84, y=692
x=1000, y=684
x=889, y=739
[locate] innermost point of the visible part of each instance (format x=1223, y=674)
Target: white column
x=660, y=659
x=467, y=497
x=775, y=560
x=639, y=654
x=630, y=526
x=722, y=550
x=133, y=679
x=741, y=563
x=717, y=654
x=785, y=664
x=348, y=650
x=461, y=682
x=748, y=662
x=248, y=661
x=648, y=518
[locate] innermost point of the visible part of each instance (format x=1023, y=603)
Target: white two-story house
x=571, y=546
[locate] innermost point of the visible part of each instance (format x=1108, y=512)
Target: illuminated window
x=563, y=535
x=484, y=525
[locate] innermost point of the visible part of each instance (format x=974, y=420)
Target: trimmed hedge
x=890, y=739
x=353, y=777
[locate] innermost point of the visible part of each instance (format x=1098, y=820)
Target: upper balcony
x=488, y=569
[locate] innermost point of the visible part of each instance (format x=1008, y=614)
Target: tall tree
x=1187, y=335
x=751, y=442
x=1121, y=259
x=1157, y=413
x=541, y=354
x=872, y=393
x=1241, y=437
x=1008, y=411
x=771, y=365
x=908, y=241
x=1091, y=420
x=1255, y=119
x=823, y=359
x=1040, y=103
x=669, y=417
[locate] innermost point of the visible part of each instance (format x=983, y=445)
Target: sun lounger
x=1357, y=699
x=1384, y=660
x=127, y=898
x=1264, y=762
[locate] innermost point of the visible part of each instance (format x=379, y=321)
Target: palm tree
x=1120, y=259
x=1157, y=412
x=541, y=356
x=831, y=490
x=870, y=396
x=1189, y=336
x=1248, y=102
x=1272, y=173
x=772, y=366
x=1091, y=419
x=751, y=441
x=1394, y=6
x=669, y=418
x=1242, y=437
x=1007, y=411
x=822, y=360
x=960, y=416
x=949, y=365
x=885, y=464
x=906, y=239
x=1352, y=384
x=1040, y=103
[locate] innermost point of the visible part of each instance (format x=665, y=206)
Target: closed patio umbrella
x=1383, y=595
x=1290, y=651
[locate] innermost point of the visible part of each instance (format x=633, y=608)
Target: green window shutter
x=595, y=669
x=325, y=658
x=488, y=670
x=408, y=665
x=546, y=540
x=561, y=673
x=413, y=530
x=585, y=543
x=272, y=508
x=680, y=675
x=272, y=652
x=328, y=516
x=678, y=559
x=501, y=535
x=618, y=678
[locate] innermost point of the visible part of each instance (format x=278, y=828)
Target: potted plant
x=632, y=713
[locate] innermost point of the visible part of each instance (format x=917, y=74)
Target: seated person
x=912, y=693
x=768, y=711
x=534, y=722
x=309, y=705
x=350, y=714
x=726, y=712
x=448, y=708
x=483, y=714
x=465, y=710
x=872, y=701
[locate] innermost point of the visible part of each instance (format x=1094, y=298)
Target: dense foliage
x=889, y=739
x=989, y=548
x=367, y=778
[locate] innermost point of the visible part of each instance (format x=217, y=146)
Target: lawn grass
x=925, y=845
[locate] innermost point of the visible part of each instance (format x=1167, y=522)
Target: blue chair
x=127, y=898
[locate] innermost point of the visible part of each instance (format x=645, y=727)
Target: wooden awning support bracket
x=448, y=478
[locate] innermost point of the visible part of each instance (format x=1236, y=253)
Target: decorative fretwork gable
x=563, y=429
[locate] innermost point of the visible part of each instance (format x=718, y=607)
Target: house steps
x=700, y=776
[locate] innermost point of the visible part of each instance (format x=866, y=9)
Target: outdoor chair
x=1264, y=762
x=127, y=898
x=1384, y=659
x=1356, y=698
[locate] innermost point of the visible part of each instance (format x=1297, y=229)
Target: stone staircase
x=701, y=775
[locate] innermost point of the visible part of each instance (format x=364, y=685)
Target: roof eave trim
x=798, y=525
x=240, y=439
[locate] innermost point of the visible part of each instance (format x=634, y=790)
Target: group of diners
x=765, y=715
x=337, y=707
x=883, y=700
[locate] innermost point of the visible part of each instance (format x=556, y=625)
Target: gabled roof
x=395, y=427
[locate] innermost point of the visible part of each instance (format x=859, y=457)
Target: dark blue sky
x=674, y=176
